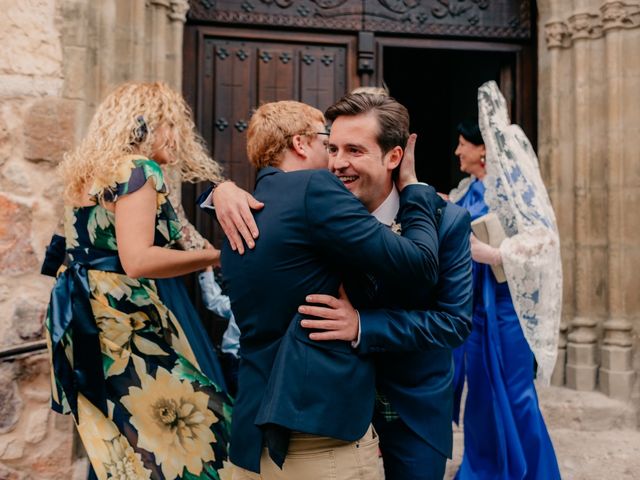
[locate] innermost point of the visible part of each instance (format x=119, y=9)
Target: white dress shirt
x=387, y=211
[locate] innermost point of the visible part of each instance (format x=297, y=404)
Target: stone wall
x=36, y=126
x=589, y=125
x=59, y=58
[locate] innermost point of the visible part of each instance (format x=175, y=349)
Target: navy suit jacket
x=415, y=371
x=311, y=229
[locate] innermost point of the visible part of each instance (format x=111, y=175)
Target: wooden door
x=244, y=74
x=228, y=73
x=444, y=91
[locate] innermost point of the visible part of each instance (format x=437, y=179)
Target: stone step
x=568, y=409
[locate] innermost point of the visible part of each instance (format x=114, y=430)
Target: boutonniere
x=396, y=228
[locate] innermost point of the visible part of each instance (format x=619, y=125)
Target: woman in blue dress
x=514, y=322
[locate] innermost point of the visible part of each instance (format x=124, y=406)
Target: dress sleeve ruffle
x=132, y=175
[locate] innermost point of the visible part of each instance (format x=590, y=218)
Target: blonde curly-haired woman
x=122, y=364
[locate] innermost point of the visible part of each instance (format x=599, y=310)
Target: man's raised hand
x=407, y=172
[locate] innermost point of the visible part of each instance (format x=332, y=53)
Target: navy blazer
x=416, y=372
x=311, y=229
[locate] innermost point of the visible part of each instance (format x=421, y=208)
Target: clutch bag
x=489, y=230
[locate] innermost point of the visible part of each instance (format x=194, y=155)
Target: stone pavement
x=595, y=437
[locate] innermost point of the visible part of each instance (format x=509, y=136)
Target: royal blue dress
x=504, y=433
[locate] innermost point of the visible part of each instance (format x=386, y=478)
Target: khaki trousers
x=311, y=457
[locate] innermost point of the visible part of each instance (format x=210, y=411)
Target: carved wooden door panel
x=245, y=74
x=234, y=72
x=227, y=74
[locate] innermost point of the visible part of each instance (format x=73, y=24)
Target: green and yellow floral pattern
x=166, y=420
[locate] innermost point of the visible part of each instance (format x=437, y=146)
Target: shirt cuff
x=208, y=202
x=356, y=342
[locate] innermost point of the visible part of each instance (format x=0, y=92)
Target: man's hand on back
x=233, y=209
x=338, y=317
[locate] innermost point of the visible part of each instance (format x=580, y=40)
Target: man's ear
x=299, y=146
x=395, y=157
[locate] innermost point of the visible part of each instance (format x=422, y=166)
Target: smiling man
x=360, y=157
x=415, y=372
x=412, y=349
x=311, y=404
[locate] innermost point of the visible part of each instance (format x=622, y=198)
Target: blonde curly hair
x=114, y=134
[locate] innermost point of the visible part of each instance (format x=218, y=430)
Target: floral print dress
x=160, y=417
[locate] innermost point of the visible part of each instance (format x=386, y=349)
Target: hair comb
x=141, y=131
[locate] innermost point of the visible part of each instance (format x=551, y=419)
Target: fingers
x=321, y=324
x=319, y=312
x=235, y=227
x=407, y=172
x=230, y=230
x=342, y=293
x=247, y=217
x=333, y=330
x=327, y=300
x=408, y=159
x=233, y=209
x=410, y=148
x=241, y=226
x=336, y=324
x=253, y=203
x=330, y=335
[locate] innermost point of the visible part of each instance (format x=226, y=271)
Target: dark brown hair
x=393, y=117
x=470, y=130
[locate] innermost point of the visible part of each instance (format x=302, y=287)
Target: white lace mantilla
x=531, y=254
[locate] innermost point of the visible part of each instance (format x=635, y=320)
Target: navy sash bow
x=70, y=311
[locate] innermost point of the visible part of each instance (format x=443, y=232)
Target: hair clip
x=141, y=131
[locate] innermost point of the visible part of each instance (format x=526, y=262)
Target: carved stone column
x=105, y=73
x=158, y=30
x=581, y=349
x=130, y=39
x=556, y=147
x=178, y=17
x=558, y=376
x=616, y=373
x=173, y=73
x=600, y=39
x=582, y=368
